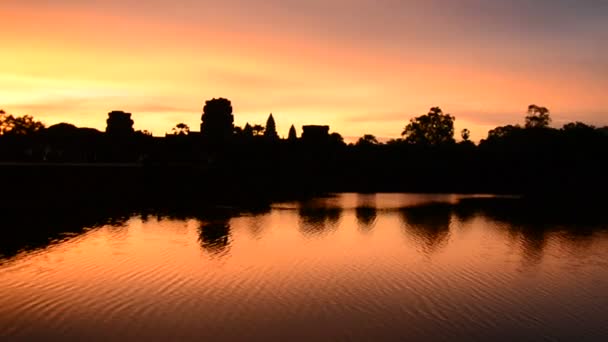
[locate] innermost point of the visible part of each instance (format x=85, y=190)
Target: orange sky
x=360, y=66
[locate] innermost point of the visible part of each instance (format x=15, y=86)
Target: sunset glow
x=360, y=66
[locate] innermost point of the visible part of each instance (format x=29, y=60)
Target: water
x=350, y=267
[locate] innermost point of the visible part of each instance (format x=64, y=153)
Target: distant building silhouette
x=119, y=123
x=292, y=134
x=248, y=131
x=535, y=160
x=217, y=120
x=270, y=132
x=315, y=134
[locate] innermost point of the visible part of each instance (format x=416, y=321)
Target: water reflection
x=257, y=220
x=26, y=231
x=428, y=225
x=530, y=223
x=215, y=236
x=366, y=211
x=316, y=218
x=214, y=232
x=499, y=267
x=366, y=217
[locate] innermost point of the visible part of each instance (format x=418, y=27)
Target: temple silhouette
x=67, y=164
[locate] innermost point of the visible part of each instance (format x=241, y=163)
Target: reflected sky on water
x=350, y=266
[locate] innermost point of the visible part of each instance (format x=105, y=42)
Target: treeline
x=533, y=158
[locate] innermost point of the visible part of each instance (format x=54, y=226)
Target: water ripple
x=313, y=273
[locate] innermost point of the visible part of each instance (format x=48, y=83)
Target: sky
x=360, y=66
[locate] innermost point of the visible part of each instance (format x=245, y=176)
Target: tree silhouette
x=538, y=117
x=257, y=130
x=181, y=129
x=292, y=134
x=502, y=132
x=367, y=140
x=434, y=128
x=578, y=126
x=336, y=138
x=119, y=123
x=465, y=134
x=18, y=125
x=61, y=129
x=217, y=120
x=271, y=129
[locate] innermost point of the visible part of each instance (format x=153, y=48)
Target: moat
x=344, y=267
